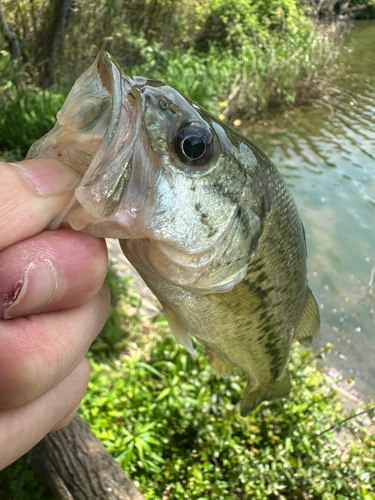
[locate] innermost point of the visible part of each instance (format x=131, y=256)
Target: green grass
x=175, y=427
x=25, y=116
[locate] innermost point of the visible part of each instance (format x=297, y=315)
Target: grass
x=256, y=78
x=175, y=427
x=25, y=116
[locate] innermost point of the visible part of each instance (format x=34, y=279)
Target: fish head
x=157, y=167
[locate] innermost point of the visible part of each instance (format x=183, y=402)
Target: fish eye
x=194, y=145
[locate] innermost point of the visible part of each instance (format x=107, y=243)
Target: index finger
x=32, y=193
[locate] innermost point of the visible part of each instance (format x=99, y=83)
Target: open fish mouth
x=95, y=133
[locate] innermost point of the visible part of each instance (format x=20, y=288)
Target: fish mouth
x=95, y=133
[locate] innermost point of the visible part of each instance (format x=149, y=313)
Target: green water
x=327, y=156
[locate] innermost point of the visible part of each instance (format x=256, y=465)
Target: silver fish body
x=201, y=213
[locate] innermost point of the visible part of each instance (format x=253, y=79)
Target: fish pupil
x=193, y=147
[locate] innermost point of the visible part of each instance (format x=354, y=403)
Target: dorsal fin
x=309, y=323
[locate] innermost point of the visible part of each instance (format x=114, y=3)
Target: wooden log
x=75, y=465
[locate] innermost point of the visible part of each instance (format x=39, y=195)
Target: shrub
x=254, y=78
x=26, y=115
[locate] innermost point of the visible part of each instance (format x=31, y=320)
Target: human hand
x=52, y=305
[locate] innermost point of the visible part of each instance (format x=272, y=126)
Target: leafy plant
x=205, y=450
x=27, y=115
x=263, y=74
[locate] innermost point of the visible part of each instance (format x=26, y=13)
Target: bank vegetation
x=237, y=58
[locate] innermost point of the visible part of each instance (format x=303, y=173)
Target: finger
x=32, y=193
x=23, y=428
x=65, y=421
x=38, y=351
x=50, y=271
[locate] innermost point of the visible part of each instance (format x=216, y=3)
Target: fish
x=201, y=213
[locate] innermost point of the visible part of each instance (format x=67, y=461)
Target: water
x=327, y=156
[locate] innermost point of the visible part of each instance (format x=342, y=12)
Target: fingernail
x=49, y=176
x=34, y=291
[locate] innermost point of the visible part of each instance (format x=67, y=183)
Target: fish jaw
x=99, y=133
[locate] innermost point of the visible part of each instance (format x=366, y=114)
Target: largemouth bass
x=201, y=213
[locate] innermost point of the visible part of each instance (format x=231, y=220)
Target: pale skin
x=52, y=305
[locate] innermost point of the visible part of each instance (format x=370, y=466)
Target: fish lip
x=110, y=76
x=108, y=136
x=119, y=87
x=107, y=67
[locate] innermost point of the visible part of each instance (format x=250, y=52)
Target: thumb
x=32, y=193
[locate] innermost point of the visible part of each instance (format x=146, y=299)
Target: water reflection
x=327, y=156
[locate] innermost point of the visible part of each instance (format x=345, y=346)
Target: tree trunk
x=12, y=40
x=61, y=22
x=75, y=465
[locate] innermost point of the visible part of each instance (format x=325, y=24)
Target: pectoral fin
x=309, y=324
x=253, y=396
x=178, y=329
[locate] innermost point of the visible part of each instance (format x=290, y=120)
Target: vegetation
x=253, y=57
x=175, y=428
x=26, y=115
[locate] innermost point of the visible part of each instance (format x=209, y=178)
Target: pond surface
x=327, y=157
